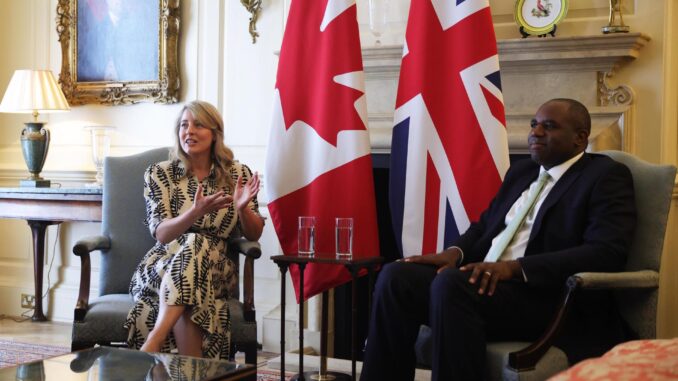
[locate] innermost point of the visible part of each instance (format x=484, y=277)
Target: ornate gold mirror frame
x=163, y=89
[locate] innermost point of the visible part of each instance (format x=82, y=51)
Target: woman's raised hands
x=208, y=204
x=244, y=193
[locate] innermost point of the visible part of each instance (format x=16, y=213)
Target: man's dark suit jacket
x=585, y=224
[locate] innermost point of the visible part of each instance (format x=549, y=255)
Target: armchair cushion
x=241, y=330
x=102, y=323
x=497, y=359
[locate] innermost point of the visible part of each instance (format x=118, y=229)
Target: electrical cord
x=21, y=319
x=51, y=262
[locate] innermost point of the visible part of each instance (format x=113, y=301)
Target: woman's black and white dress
x=200, y=272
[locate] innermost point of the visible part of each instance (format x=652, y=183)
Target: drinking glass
x=306, y=237
x=378, y=18
x=101, y=145
x=343, y=237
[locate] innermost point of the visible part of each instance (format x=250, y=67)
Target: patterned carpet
x=264, y=373
x=13, y=352
x=271, y=375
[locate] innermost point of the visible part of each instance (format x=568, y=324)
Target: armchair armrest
x=89, y=244
x=622, y=280
x=82, y=248
x=527, y=358
x=248, y=248
x=251, y=251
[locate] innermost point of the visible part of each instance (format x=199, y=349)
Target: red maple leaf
x=309, y=61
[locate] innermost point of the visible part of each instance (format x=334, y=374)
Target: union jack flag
x=318, y=161
x=449, y=150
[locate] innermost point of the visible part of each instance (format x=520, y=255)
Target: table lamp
x=34, y=91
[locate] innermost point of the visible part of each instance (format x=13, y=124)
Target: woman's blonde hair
x=222, y=156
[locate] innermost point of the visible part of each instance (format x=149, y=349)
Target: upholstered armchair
x=123, y=242
x=635, y=290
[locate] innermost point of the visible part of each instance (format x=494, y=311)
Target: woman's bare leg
x=167, y=318
x=188, y=336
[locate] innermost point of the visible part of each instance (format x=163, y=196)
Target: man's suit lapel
x=558, y=191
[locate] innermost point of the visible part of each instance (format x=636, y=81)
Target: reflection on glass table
x=108, y=364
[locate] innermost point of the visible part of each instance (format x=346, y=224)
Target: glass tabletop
x=109, y=364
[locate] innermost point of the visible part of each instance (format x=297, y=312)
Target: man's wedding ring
x=488, y=273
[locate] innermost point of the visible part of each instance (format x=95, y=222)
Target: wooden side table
x=354, y=266
x=42, y=207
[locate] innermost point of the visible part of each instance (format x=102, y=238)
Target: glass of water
x=101, y=145
x=306, y=237
x=343, y=237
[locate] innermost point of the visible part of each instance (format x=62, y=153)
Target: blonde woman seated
x=194, y=203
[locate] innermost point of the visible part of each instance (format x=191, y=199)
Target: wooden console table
x=42, y=207
x=354, y=266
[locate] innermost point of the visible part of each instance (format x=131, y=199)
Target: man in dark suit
x=582, y=219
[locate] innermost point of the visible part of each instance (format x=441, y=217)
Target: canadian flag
x=318, y=161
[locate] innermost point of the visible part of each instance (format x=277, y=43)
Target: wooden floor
x=27, y=331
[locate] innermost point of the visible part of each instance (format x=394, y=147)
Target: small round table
x=354, y=266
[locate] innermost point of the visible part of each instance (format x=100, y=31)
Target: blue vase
x=35, y=144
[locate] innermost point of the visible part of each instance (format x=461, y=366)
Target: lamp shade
x=33, y=91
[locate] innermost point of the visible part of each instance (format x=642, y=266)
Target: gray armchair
x=635, y=289
x=123, y=242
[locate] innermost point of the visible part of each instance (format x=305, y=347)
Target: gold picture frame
x=135, y=69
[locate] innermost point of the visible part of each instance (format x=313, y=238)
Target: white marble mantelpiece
x=585, y=53
x=533, y=71
x=569, y=54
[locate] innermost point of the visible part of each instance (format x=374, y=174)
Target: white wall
x=248, y=83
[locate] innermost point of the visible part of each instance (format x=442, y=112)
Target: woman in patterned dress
x=194, y=203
